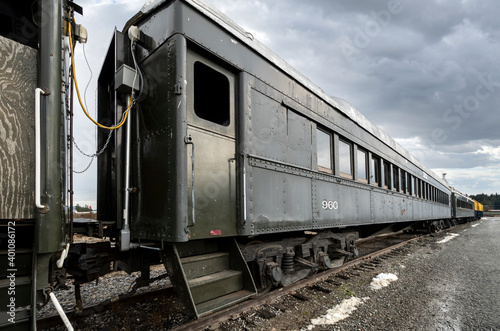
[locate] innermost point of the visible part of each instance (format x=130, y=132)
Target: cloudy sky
x=425, y=72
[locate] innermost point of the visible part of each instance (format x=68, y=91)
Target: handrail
x=189, y=141
x=38, y=93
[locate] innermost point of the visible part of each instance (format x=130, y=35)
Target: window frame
x=409, y=184
x=192, y=117
x=366, y=165
x=395, y=178
x=386, y=168
x=402, y=180
x=351, y=158
x=375, y=171
x=332, y=164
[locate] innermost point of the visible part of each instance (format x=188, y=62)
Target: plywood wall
x=18, y=75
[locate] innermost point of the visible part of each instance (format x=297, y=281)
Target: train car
x=240, y=170
x=462, y=207
x=478, y=210
x=34, y=101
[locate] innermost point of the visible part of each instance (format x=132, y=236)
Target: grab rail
x=189, y=141
x=38, y=93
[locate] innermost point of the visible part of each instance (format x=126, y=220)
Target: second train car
x=239, y=169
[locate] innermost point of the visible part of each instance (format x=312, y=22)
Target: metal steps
x=215, y=285
x=199, y=265
x=223, y=301
x=208, y=282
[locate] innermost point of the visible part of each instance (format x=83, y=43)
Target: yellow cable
x=78, y=91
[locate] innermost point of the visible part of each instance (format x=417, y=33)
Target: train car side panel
x=281, y=202
x=17, y=130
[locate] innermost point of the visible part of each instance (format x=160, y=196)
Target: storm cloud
x=425, y=72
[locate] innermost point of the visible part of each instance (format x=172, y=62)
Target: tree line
x=491, y=201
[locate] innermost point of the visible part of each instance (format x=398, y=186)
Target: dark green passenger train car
x=231, y=152
x=34, y=101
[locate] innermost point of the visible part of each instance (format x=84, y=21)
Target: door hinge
x=178, y=89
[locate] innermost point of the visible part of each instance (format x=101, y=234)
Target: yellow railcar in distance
x=478, y=210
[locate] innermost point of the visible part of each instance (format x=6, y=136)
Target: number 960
x=328, y=204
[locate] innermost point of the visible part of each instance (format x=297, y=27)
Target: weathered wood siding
x=18, y=75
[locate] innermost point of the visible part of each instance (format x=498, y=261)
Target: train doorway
x=211, y=148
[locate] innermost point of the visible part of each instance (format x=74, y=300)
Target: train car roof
x=244, y=36
x=460, y=194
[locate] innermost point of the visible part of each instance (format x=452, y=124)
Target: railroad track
x=371, y=257
x=363, y=263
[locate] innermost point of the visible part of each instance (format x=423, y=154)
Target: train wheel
x=433, y=227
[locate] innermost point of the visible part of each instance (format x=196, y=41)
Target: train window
x=324, y=149
x=410, y=184
x=345, y=159
x=403, y=181
x=362, y=166
x=375, y=170
x=395, y=178
x=387, y=174
x=211, y=94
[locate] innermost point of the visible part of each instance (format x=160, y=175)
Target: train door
x=211, y=148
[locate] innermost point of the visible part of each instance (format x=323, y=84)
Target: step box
x=206, y=264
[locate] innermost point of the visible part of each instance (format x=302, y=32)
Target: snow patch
x=382, y=280
x=474, y=225
x=448, y=238
x=338, y=313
